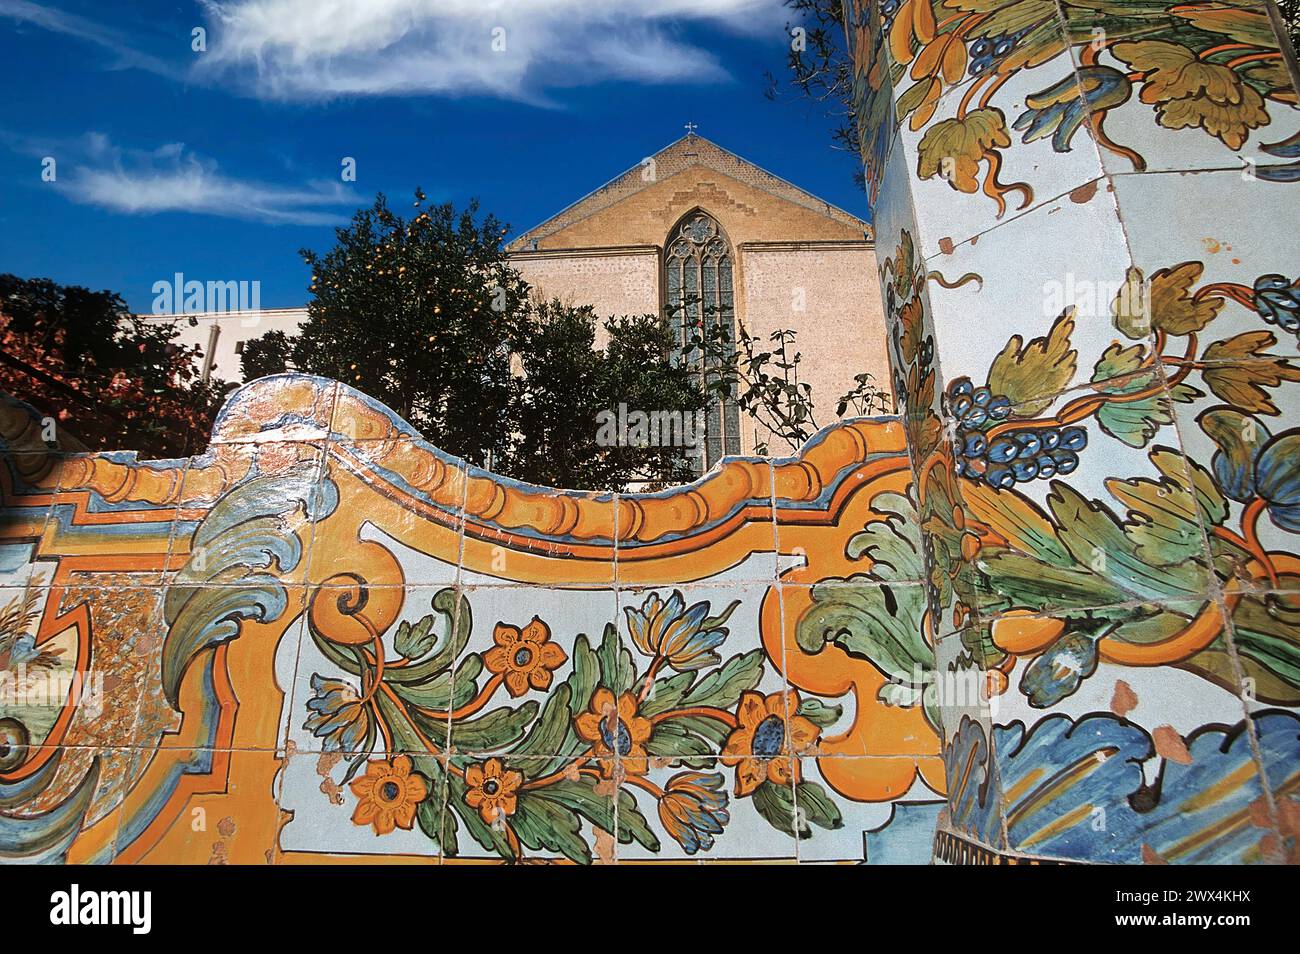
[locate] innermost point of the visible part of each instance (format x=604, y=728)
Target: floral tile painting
x=361, y=681
x=1046, y=613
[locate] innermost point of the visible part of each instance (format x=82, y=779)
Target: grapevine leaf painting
x=1199, y=68
x=1068, y=580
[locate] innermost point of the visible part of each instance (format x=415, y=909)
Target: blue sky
x=222, y=163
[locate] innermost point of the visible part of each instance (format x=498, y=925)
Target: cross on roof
x=690, y=129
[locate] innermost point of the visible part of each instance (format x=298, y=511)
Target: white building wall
x=221, y=335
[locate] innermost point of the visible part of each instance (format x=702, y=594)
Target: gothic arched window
x=698, y=262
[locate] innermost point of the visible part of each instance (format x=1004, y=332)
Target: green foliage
x=270, y=354
x=427, y=315
x=569, y=382
x=764, y=382
x=422, y=315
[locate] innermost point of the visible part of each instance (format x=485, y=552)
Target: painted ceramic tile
x=703, y=817
x=358, y=648
x=681, y=644
x=937, y=48
x=981, y=164
x=1041, y=328
x=815, y=655
x=1210, y=240
x=1259, y=624
x=1077, y=562
x=966, y=692
x=1129, y=530
x=907, y=837
x=973, y=785
x=381, y=810
x=389, y=544
x=1205, y=809
x=349, y=687
x=64, y=809
x=736, y=500
x=1171, y=721
x=28, y=485
x=346, y=671
x=1250, y=533
x=234, y=824
x=524, y=660
x=1117, y=672
x=1018, y=132
x=898, y=832
x=288, y=407
x=1276, y=732
x=961, y=682
x=1149, y=119
x=892, y=211
x=873, y=92
x=99, y=643
x=46, y=677
x=863, y=645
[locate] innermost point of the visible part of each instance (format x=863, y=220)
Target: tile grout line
x=458, y=596
x=785, y=680
x=618, y=607
x=1215, y=589
x=285, y=727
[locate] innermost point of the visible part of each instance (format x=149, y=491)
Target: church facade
x=695, y=221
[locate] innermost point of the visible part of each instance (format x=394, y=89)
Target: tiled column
x=1086, y=217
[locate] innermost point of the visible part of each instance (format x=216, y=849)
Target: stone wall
x=824, y=291
x=221, y=335
x=828, y=295
x=614, y=281
x=641, y=205
x=800, y=263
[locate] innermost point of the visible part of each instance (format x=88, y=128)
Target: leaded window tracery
x=699, y=267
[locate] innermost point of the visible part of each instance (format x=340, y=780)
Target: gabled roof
x=688, y=152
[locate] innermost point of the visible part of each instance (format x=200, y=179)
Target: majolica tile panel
x=1045, y=614
x=324, y=640
x=1110, y=324
x=1007, y=103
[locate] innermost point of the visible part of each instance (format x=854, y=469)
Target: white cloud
x=314, y=49
x=174, y=179
x=47, y=18
x=69, y=24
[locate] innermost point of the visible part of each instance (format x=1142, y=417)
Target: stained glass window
x=699, y=266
